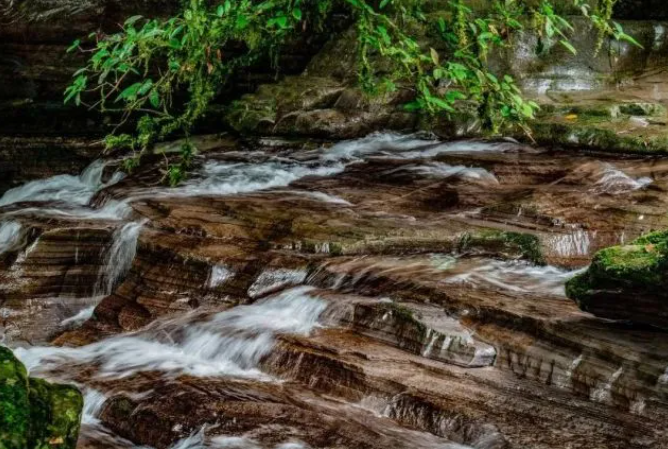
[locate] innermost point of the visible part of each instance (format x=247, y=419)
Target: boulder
x=36, y=414
x=627, y=282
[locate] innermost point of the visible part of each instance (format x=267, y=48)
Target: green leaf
x=74, y=46
x=568, y=46
x=384, y=3
x=282, y=21
x=434, y=56
x=297, y=14
x=145, y=87
x=132, y=20
x=130, y=92
x=441, y=104
x=413, y=106
x=154, y=98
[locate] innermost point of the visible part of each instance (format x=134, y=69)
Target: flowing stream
x=233, y=342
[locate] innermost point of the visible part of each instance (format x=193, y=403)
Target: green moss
x=528, y=244
x=579, y=288
x=55, y=414
x=14, y=402
x=406, y=317
x=512, y=244
x=644, y=109
x=638, y=267
x=654, y=238
x=628, y=265
x=335, y=249
x=586, y=134
x=35, y=414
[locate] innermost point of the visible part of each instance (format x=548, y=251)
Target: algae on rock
x=35, y=414
x=627, y=282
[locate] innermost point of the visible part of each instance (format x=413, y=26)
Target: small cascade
x=573, y=244
x=515, y=276
x=229, y=178
x=613, y=181
x=119, y=257
x=80, y=317
x=386, y=143
x=222, y=178
x=321, y=196
x=219, y=275
x=565, y=381
x=229, y=343
x=431, y=338
x=10, y=236
x=199, y=440
x=68, y=196
x=67, y=189
x=663, y=379
x=638, y=406
x=444, y=171
x=93, y=402
x=603, y=393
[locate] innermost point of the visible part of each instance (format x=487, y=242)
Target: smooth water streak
x=229, y=343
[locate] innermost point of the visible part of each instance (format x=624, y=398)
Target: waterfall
x=119, y=257
x=575, y=243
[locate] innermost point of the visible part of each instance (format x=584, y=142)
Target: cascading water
x=119, y=257
x=10, y=236
x=515, y=276
x=443, y=171
x=67, y=189
x=233, y=345
x=615, y=182
x=229, y=343
x=218, y=275
x=67, y=196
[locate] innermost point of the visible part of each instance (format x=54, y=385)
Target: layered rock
x=34, y=413
x=627, y=282
x=387, y=292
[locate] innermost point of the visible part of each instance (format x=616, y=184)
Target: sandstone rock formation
x=385, y=292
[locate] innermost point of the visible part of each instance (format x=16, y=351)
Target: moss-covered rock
x=627, y=282
x=14, y=402
x=35, y=414
x=507, y=244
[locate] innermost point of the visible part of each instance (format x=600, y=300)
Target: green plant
x=168, y=71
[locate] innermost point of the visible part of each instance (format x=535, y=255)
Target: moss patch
x=14, y=402
x=639, y=267
x=507, y=244
x=35, y=414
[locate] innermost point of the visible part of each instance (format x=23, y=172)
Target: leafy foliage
x=146, y=67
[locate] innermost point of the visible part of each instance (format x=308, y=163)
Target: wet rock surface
x=393, y=291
